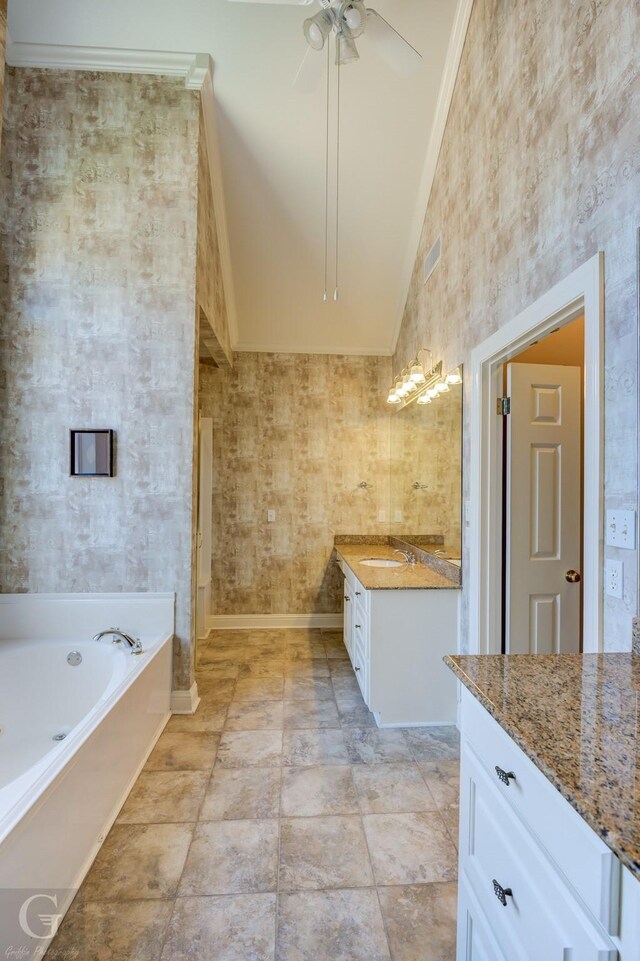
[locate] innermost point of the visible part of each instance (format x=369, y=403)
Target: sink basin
x=381, y=562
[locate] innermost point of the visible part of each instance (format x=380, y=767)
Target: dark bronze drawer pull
x=358, y=593
x=346, y=597
x=502, y=893
x=359, y=626
x=357, y=669
x=505, y=776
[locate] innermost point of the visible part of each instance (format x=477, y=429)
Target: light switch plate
x=613, y=578
x=271, y=516
x=382, y=516
x=621, y=529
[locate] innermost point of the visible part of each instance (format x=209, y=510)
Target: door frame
x=582, y=292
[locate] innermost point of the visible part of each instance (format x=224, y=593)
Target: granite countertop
x=407, y=577
x=577, y=716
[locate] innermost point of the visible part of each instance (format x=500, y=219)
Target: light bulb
x=432, y=392
x=393, y=397
x=417, y=374
x=315, y=35
x=346, y=50
x=424, y=398
x=454, y=376
x=316, y=29
x=354, y=14
x=442, y=387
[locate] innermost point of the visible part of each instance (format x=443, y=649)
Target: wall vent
x=432, y=259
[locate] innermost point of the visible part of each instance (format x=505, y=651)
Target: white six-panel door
x=543, y=515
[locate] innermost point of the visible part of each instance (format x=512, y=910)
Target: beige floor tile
x=331, y=926
x=236, y=928
x=262, y=667
x=345, y=685
x=250, y=749
x=259, y=689
x=443, y=780
x=434, y=743
x=312, y=791
x=235, y=794
x=211, y=655
x=410, y=848
x=353, y=712
x=209, y=717
x=367, y=746
x=420, y=921
x=165, y=796
x=138, y=861
x=310, y=714
x=304, y=653
x=220, y=688
x=391, y=788
x=231, y=857
x=339, y=668
x=301, y=688
x=321, y=746
x=228, y=669
x=183, y=752
x=309, y=670
x=112, y=931
x=255, y=716
x=323, y=852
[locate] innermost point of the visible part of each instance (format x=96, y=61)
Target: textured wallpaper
x=97, y=294
x=294, y=433
x=540, y=169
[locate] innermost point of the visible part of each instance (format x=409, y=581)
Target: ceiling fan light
x=354, y=14
x=346, y=50
x=317, y=29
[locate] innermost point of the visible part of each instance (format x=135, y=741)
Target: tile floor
x=278, y=824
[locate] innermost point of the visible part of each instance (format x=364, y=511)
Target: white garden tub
x=59, y=797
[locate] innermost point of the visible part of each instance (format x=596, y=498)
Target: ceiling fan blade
x=398, y=52
x=309, y=71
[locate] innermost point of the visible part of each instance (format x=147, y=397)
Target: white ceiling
x=272, y=146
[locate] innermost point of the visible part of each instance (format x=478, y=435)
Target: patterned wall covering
x=540, y=169
x=97, y=295
x=3, y=47
x=295, y=433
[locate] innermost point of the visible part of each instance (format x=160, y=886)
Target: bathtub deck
x=278, y=822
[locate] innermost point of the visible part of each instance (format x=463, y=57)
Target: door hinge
x=503, y=406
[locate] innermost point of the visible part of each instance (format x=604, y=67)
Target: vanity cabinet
x=536, y=883
x=396, y=640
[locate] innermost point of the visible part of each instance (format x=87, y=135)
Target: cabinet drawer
x=362, y=595
x=361, y=625
x=586, y=862
x=475, y=940
x=540, y=919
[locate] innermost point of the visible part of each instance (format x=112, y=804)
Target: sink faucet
x=408, y=556
x=134, y=643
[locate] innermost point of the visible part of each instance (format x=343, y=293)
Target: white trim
x=196, y=69
x=185, y=702
x=297, y=349
x=580, y=292
x=445, y=96
x=240, y=622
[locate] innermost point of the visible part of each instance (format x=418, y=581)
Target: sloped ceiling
x=272, y=142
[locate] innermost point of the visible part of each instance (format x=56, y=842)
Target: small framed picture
x=92, y=453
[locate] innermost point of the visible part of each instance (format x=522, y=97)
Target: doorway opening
x=542, y=494
x=580, y=295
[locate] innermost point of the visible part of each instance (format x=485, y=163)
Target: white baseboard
x=242, y=622
x=185, y=702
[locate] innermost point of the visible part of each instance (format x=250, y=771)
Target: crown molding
x=332, y=350
x=445, y=96
x=196, y=69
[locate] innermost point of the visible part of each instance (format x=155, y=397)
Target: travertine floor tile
x=255, y=716
x=235, y=794
x=376, y=747
x=353, y=712
x=322, y=746
x=308, y=670
x=220, y=688
x=331, y=926
x=183, y=752
x=231, y=857
x=228, y=669
x=312, y=791
x=310, y=714
x=262, y=667
x=250, y=749
x=236, y=928
x=297, y=688
x=138, y=861
x=420, y=921
x=443, y=780
x=112, y=931
x=165, y=796
x=391, y=788
x=259, y=689
x=434, y=743
x=410, y=848
x=323, y=852
x=209, y=717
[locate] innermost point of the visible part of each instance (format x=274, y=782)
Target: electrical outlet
x=271, y=516
x=398, y=516
x=613, y=576
x=382, y=516
x=621, y=529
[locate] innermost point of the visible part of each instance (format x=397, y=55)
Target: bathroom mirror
x=426, y=474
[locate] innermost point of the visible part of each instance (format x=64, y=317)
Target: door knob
x=573, y=577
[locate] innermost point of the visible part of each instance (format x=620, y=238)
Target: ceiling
x=272, y=142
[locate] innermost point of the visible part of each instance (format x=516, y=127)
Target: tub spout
x=133, y=643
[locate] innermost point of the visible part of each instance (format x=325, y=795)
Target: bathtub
x=78, y=719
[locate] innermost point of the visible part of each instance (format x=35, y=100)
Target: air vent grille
x=432, y=259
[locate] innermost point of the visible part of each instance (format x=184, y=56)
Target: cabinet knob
x=502, y=893
x=356, y=669
x=346, y=597
x=505, y=776
x=358, y=593
x=359, y=626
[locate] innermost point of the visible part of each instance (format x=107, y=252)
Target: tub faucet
x=408, y=556
x=133, y=643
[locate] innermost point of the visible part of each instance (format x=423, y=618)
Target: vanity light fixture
x=422, y=381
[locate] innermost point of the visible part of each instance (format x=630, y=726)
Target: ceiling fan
x=346, y=21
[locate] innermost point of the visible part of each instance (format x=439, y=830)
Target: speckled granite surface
x=426, y=556
x=407, y=577
x=578, y=718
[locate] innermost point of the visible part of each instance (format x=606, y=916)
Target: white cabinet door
x=348, y=618
x=475, y=941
